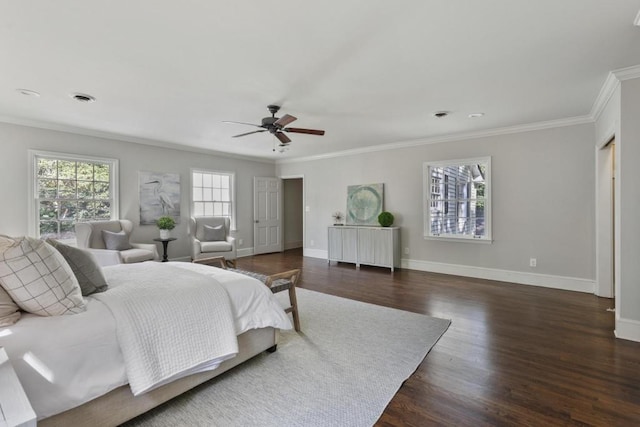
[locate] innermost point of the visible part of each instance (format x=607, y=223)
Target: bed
x=83, y=369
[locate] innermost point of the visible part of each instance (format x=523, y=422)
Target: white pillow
x=38, y=278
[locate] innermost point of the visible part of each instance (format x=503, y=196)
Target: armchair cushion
x=215, y=246
x=116, y=241
x=136, y=255
x=214, y=234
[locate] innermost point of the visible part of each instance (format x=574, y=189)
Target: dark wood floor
x=514, y=354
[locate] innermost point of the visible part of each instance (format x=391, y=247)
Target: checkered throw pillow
x=38, y=278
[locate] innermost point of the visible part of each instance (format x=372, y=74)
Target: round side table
x=165, y=243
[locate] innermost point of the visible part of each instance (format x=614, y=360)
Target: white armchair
x=210, y=238
x=89, y=236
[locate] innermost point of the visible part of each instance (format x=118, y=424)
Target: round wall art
x=364, y=204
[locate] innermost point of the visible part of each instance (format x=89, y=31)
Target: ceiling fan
x=276, y=126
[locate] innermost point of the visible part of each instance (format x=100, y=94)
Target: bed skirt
x=120, y=405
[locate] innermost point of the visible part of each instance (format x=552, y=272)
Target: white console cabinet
x=379, y=246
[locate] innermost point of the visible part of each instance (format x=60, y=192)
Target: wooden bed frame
x=120, y=405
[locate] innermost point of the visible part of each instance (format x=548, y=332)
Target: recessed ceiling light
x=441, y=114
x=28, y=92
x=83, y=97
x=474, y=115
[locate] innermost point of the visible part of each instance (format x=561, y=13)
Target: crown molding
x=126, y=138
x=627, y=73
x=606, y=92
x=610, y=85
x=530, y=127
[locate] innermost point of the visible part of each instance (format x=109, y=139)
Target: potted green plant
x=385, y=219
x=165, y=224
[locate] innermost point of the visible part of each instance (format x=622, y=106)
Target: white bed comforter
x=167, y=329
x=64, y=361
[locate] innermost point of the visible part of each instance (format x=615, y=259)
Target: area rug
x=342, y=370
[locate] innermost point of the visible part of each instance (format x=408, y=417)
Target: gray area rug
x=342, y=370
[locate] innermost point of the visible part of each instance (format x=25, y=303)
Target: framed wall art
x=159, y=196
x=364, y=204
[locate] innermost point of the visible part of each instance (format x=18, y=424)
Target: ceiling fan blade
x=285, y=120
x=249, y=133
x=307, y=131
x=242, y=123
x=284, y=139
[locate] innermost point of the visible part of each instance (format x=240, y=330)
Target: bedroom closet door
x=267, y=215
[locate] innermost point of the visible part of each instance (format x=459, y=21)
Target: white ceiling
x=369, y=72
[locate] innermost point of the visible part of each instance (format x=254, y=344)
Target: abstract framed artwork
x=364, y=204
x=159, y=196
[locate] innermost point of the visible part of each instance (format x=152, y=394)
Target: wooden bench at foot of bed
x=285, y=281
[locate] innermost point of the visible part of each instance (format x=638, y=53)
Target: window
x=68, y=189
x=213, y=194
x=457, y=202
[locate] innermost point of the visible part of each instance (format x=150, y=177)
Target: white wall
x=628, y=233
x=16, y=140
x=543, y=204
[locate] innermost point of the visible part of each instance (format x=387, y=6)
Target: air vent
x=82, y=97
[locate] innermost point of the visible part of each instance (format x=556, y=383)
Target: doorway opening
x=606, y=220
x=293, y=212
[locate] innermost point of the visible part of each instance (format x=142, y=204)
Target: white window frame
x=33, y=208
x=428, y=201
x=232, y=191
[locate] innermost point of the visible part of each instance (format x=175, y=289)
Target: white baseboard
x=523, y=278
x=240, y=253
x=315, y=253
x=292, y=245
x=627, y=329
x=544, y=280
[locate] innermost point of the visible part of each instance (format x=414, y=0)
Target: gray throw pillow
x=214, y=234
x=85, y=267
x=116, y=241
x=9, y=310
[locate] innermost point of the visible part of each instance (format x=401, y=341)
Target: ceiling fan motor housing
x=268, y=122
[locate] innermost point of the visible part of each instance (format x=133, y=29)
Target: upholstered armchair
x=109, y=242
x=210, y=238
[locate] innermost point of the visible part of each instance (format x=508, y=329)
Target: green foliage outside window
x=70, y=191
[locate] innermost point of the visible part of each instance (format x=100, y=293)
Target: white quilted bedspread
x=170, y=322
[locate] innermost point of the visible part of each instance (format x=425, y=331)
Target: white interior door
x=267, y=215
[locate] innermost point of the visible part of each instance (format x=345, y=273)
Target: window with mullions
x=212, y=194
x=457, y=202
x=69, y=189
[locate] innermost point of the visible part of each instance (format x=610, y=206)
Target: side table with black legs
x=165, y=243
